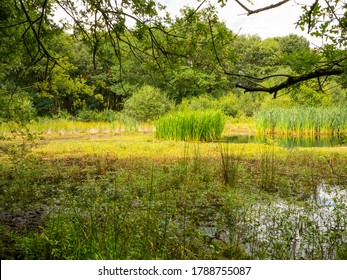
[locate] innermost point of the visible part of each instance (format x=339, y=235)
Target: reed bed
x=205, y=125
x=305, y=121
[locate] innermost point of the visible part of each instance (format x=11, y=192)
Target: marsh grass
x=191, y=126
x=304, y=121
x=70, y=127
x=268, y=168
x=230, y=161
x=133, y=197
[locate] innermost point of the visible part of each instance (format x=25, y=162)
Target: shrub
x=147, y=104
x=16, y=107
x=202, y=102
x=227, y=103
x=205, y=125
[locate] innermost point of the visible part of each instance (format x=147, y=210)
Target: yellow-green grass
x=65, y=127
x=139, y=146
x=67, y=138
x=244, y=126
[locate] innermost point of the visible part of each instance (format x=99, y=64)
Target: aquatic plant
x=308, y=121
x=205, y=125
x=231, y=162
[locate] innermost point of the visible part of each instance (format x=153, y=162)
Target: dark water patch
x=290, y=142
x=21, y=221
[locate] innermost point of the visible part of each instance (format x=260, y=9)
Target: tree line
x=97, y=62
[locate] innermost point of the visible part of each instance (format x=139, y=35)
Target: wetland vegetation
x=96, y=193
x=173, y=138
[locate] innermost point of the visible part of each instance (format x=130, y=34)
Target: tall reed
x=230, y=164
x=307, y=121
x=191, y=125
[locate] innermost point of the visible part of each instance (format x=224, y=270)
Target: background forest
x=191, y=61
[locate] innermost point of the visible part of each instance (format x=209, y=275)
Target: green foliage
x=338, y=94
x=212, y=203
x=16, y=106
x=199, y=103
x=62, y=92
x=147, y=104
x=325, y=21
x=301, y=60
x=250, y=102
x=293, y=43
x=255, y=57
x=186, y=57
x=230, y=164
x=282, y=101
x=205, y=125
x=229, y=104
x=307, y=95
x=268, y=169
x=103, y=116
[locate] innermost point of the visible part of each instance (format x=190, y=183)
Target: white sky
x=271, y=23
x=276, y=22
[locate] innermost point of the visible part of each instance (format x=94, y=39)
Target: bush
x=202, y=102
x=283, y=101
x=227, y=103
x=147, y=104
x=16, y=107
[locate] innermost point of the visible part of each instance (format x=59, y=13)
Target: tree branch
x=41, y=47
x=293, y=80
x=251, y=12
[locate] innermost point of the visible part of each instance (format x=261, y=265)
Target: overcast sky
x=271, y=23
x=276, y=22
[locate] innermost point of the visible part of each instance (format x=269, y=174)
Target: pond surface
x=290, y=142
x=282, y=230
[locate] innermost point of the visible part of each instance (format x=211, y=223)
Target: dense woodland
x=147, y=62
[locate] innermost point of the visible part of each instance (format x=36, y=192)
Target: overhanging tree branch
x=41, y=47
x=251, y=12
x=293, y=80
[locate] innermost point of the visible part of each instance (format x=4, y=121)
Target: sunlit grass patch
x=239, y=127
x=70, y=127
x=120, y=146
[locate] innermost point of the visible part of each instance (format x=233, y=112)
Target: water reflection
x=290, y=142
x=283, y=230
x=329, y=195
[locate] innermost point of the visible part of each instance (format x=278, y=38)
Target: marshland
x=177, y=138
x=98, y=190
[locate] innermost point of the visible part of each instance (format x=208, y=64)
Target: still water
x=290, y=142
x=316, y=229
